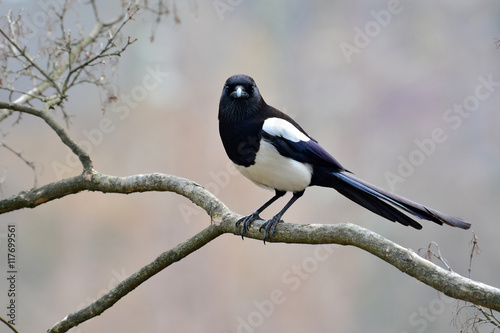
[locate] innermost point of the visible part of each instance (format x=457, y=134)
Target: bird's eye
x=226, y=87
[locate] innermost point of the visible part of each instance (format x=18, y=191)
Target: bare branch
x=8, y=325
x=478, y=317
x=22, y=53
x=474, y=249
x=45, y=115
x=52, y=77
x=437, y=255
x=223, y=221
x=11, y=90
x=110, y=44
x=20, y=156
x=161, y=262
x=96, y=11
x=489, y=317
x=95, y=181
x=75, y=72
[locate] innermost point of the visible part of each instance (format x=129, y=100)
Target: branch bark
x=223, y=221
x=56, y=127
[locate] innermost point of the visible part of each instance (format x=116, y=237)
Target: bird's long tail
x=386, y=204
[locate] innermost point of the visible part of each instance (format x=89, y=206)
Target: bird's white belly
x=275, y=171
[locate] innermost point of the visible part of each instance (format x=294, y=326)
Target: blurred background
x=404, y=94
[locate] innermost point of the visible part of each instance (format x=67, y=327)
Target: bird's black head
x=240, y=98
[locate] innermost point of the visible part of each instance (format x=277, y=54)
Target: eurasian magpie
x=273, y=151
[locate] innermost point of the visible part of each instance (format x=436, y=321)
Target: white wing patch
x=282, y=128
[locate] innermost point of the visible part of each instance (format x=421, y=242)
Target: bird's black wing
x=294, y=143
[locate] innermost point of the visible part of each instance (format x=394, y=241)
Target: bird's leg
x=270, y=225
x=247, y=220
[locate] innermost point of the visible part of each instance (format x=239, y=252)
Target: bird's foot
x=247, y=222
x=269, y=227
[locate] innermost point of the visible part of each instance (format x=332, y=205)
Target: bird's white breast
x=275, y=171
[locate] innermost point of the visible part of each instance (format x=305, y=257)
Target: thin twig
x=59, y=71
x=11, y=90
x=474, y=249
x=438, y=256
x=28, y=163
x=91, y=62
x=95, y=10
x=109, y=45
x=32, y=63
x=63, y=135
x=8, y=325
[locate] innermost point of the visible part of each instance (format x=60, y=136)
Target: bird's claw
x=247, y=222
x=270, y=226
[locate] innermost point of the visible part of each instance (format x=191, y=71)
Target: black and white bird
x=272, y=150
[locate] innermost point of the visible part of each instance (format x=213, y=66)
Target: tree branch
x=58, y=72
x=65, y=138
x=123, y=288
x=223, y=221
x=95, y=181
x=21, y=52
x=8, y=325
x=449, y=283
x=38, y=90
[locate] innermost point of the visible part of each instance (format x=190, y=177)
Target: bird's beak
x=239, y=92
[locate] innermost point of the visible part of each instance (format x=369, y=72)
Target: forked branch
x=223, y=221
